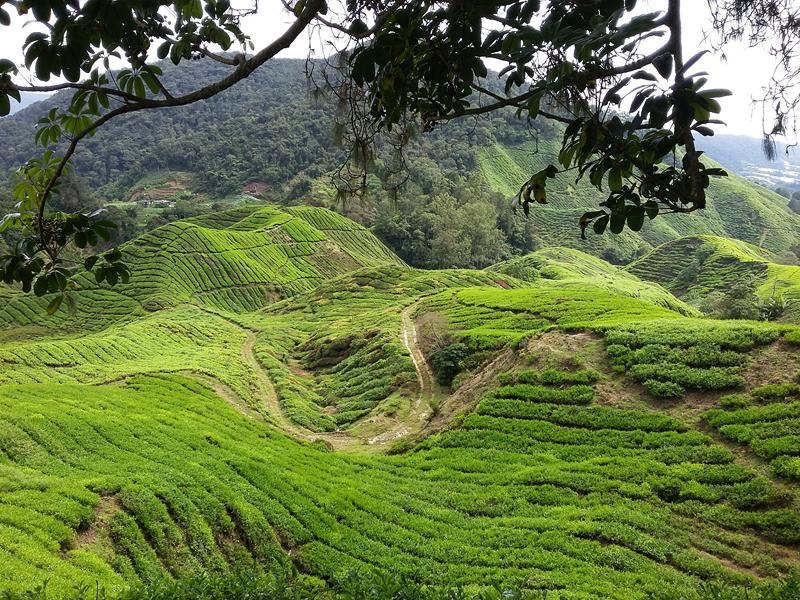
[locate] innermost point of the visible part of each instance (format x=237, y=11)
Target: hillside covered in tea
x=269, y=137
x=276, y=390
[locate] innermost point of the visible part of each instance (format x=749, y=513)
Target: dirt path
x=421, y=406
x=266, y=394
x=269, y=407
x=427, y=384
x=265, y=391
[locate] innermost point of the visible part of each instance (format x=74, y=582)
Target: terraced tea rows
x=698, y=355
x=696, y=266
x=587, y=499
x=151, y=447
x=486, y=318
x=573, y=267
x=238, y=260
x=351, y=361
x=185, y=339
x=768, y=422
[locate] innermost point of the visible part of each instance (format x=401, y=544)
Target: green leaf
x=600, y=225
x=716, y=93
x=90, y=262
x=690, y=63
x=138, y=87
x=617, y=221
x=5, y=105
x=54, y=305
x=150, y=82
x=644, y=75
x=651, y=208
x=635, y=218
x=6, y=66
x=663, y=65
x=614, y=180
x=41, y=285
x=163, y=50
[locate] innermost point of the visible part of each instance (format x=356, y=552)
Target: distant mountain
x=737, y=208
x=269, y=134
x=27, y=99
x=745, y=156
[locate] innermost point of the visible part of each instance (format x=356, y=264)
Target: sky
x=745, y=71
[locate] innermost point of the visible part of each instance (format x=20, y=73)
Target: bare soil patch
x=103, y=512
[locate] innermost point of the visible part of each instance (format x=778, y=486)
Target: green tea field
x=275, y=390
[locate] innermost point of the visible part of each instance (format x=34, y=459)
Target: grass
x=149, y=449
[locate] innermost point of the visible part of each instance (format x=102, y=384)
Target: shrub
x=380, y=586
x=446, y=362
x=578, y=394
x=734, y=401
x=777, y=446
x=666, y=488
x=787, y=466
x=664, y=389
x=776, y=392
x=759, y=492
x=715, y=378
x=556, y=377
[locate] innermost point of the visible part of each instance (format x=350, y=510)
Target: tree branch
x=221, y=58
x=75, y=86
x=243, y=70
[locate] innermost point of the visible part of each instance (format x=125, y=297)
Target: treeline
x=267, y=128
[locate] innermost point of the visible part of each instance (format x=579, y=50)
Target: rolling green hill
x=587, y=447
x=695, y=266
x=237, y=260
x=737, y=208
x=567, y=266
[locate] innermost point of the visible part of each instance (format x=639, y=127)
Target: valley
x=326, y=383
x=275, y=389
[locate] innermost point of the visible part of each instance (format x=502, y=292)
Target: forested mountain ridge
x=462, y=173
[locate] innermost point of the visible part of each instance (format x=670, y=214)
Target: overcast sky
x=744, y=72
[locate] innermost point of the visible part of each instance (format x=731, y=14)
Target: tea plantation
x=736, y=208
x=261, y=399
x=716, y=266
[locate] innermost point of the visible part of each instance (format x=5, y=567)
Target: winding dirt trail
x=421, y=407
x=270, y=408
x=266, y=392
x=424, y=371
